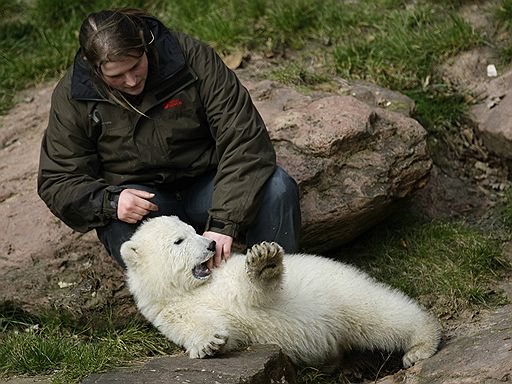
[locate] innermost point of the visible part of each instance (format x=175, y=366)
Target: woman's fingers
x=133, y=205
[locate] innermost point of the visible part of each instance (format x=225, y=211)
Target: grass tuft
x=503, y=13
x=297, y=75
x=405, y=47
x=503, y=19
x=68, y=351
x=448, y=265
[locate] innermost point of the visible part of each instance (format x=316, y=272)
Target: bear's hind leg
x=425, y=342
x=264, y=262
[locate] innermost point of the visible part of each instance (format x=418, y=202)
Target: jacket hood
x=169, y=56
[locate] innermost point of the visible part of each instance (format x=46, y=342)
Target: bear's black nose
x=211, y=246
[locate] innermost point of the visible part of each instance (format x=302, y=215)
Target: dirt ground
x=44, y=265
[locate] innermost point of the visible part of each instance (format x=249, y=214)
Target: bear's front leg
x=202, y=331
x=264, y=262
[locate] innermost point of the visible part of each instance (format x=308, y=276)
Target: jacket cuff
x=224, y=227
x=110, y=200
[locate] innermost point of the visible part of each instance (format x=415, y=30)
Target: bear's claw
x=209, y=348
x=264, y=261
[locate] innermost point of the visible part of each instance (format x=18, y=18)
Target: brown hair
x=111, y=35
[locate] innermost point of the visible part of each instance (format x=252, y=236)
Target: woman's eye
x=179, y=241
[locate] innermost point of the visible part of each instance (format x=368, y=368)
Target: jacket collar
x=169, y=55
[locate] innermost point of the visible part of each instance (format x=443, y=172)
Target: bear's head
x=167, y=254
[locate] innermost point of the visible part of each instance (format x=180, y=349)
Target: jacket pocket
x=181, y=129
x=115, y=142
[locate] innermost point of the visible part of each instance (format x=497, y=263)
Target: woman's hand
x=222, y=248
x=134, y=204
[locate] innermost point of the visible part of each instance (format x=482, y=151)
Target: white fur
x=314, y=308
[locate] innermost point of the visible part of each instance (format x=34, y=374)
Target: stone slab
x=259, y=364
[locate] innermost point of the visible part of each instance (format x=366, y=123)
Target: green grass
x=442, y=112
x=503, y=18
x=503, y=13
x=404, y=48
x=54, y=345
x=449, y=265
x=297, y=75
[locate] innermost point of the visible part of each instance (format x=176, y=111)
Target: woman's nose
x=130, y=79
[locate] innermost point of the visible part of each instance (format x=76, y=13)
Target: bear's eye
x=179, y=241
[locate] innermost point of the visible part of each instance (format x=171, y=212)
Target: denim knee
x=282, y=189
x=279, y=217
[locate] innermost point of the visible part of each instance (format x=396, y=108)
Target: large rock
x=493, y=115
x=491, y=111
x=352, y=161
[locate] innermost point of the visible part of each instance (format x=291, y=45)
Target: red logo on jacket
x=173, y=103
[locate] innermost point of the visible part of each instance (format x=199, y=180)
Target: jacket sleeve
x=246, y=157
x=68, y=179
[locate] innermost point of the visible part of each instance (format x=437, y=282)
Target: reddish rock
x=352, y=161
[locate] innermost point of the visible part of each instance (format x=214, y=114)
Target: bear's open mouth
x=201, y=271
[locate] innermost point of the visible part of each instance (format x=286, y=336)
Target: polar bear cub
x=312, y=307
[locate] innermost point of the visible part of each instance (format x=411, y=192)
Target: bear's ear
x=129, y=253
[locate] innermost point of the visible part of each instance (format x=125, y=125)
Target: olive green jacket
x=198, y=118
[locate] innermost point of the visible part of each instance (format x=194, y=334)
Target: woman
x=150, y=122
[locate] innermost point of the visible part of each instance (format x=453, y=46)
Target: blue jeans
x=277, y=220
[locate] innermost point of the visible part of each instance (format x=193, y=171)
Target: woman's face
x=127, y=75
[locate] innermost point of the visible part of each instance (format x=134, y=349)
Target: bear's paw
x=417, y=353
x=208, y=347
x=264, y=261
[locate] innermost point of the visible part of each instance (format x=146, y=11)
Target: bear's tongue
x=201, y=271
